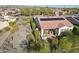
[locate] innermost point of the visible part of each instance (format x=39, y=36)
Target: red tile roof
x=53, y=24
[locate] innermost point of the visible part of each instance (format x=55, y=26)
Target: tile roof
x=53, y=24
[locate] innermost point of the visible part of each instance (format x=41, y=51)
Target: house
x=9, y=18
x=4, y=21
x=73, y=20
x=52, y=26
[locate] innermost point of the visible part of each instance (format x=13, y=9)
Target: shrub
x=33, y=25
x=54, y=41
x=12, y=23
x=30, y=45
x=6, y=29
x=53, y=44
x=45, y=47
x=37, y=34
x=65, y=44
x=26, y=20
x=76, y=30
x=15, y=27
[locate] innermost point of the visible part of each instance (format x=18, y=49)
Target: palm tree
x=65, y=45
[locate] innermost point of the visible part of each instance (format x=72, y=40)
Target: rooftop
x=53, y=22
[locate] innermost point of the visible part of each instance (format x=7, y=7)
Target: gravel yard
x=16, y=42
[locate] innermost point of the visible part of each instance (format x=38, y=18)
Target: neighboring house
x=52, y=26
x=5, y=19
x=9, y=18
x=3, y=24
x=73, y=20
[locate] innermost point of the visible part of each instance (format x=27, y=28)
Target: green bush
x=76, y=30
x=45, y=47
x=6, y=29
x=65, y=45
x=12, y=23
x=38, y=46
x=15, y=27
x=33, y=25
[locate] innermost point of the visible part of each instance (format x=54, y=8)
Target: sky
x=39, y=2
x=49, y=3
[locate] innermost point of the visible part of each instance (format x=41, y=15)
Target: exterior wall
x=59, y=31
x=64, y=29
x=37, y=22
x=42, y=32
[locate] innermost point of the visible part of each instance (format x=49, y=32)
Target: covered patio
x=49, y=33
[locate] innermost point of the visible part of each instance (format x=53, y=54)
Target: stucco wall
x=62, y=29
x=42, y=32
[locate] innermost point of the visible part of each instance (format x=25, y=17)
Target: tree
x=33, y=25
x=45, y=11
x=54, y=44
x=45, y=47
x=30, y=45
x=76, y=45
x=77, y=41
x=25, y=11
x=36, y=11
x=76, y=30
x=37, y=34
x=37, y=46
x=65, y=45
x=69, y=34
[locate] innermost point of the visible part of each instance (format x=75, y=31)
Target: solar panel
x=69, y=18
x=77, y=18
x=50, y=19
x=72, y=20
